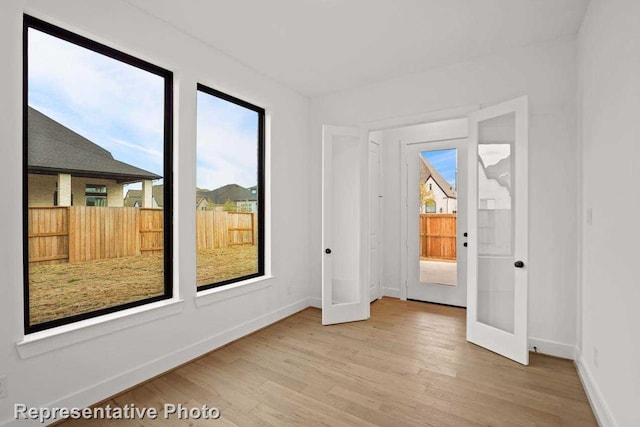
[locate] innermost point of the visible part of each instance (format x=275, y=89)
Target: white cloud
x=103, y=99
x=225, y=157
x=120, y=107
x=146, y=150
x=227, y=144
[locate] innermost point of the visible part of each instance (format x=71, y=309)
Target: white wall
x=88, y=371
x=609, y=58
x=547, y=73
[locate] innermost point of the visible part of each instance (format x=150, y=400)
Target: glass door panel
x=496, y=152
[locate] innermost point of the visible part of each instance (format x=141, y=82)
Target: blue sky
x=445, y=162
x=114, y=105
x=227, y=150
x=120, y=108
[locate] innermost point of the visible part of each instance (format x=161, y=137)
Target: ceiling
x=321, y=46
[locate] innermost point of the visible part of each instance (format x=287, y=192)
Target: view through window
x=97, y=178
x=438, y=216
x=230, y=188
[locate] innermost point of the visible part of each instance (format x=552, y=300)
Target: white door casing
x=345, y=233
x=437, y=129
x=498, y=229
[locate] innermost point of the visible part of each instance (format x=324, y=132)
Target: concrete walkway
x=440, y=272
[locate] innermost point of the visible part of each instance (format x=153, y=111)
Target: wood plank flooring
x=408, y=365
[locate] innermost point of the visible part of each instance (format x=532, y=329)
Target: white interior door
x=437, y=257
x=345, y=259
x=375, y=266
x=497, y=241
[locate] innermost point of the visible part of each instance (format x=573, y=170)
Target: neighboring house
x=202, y=204
x=133, y=198
x=64, y=168
x=245, y=199
x=438, y=195
x=251, y=203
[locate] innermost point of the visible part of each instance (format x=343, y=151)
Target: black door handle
x=464, y=244
x=327, y=251
x=518, y=264
x=465, y=234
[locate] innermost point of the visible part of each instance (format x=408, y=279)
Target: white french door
x=433, y=275
x=345, y=232
x=498, y=226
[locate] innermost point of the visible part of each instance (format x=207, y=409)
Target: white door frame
x=378, y=198
x=396, y=122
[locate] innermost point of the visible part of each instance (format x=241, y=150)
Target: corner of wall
x=601, y=410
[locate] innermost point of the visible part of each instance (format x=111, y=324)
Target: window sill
x=66, y=335
x=215, y=295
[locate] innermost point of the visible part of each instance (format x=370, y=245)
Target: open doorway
x=423, y=210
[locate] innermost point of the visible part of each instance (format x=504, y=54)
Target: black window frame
x=99, y=194
x=261, y=182
x=68, y=36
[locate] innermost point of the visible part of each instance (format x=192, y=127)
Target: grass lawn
x=62, y=290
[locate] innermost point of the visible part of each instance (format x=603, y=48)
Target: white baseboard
x=553, y=348
x=139, y=374
x=315, y=302
x=135, y=376
x=390, y=292
x=601, y=410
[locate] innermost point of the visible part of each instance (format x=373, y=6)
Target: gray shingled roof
x=54, y=148
x=427, y=170
x=232, y=192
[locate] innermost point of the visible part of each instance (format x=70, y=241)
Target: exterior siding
x=42, y=187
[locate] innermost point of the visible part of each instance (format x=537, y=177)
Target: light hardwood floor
x=408, y=365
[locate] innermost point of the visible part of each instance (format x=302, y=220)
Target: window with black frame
x=97, y=184
x=229, y=189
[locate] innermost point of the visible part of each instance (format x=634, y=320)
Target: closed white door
x=498, y=229
x=375, y=197
x=345, y=233
x=437, y=221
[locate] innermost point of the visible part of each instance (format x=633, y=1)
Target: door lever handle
x=518, y=264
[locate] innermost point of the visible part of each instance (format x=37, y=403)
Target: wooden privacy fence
x=438, y=236
x=223, y=229
x=82, y=233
